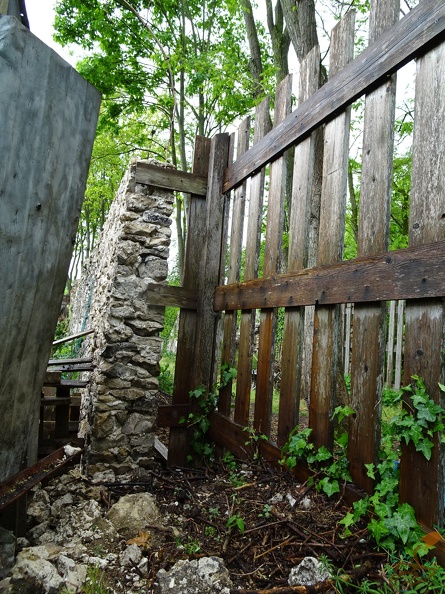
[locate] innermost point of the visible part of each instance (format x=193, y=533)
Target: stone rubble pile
x=73, y=533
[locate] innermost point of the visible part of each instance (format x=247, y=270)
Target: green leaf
x=329, y=486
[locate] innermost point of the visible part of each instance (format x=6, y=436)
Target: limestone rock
x=74, y=575
x=131, y=556
x=204, y=576
x=33, y=573
x=7, y=551
x=308, y=573
x=39, y=509
x=133, y=512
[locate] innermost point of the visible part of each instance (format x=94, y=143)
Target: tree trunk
x=255, y=62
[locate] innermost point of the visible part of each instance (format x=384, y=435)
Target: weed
x=266, y=511
x=236, y=521
x=191, y=547
x=392, y=524
x=199, y=421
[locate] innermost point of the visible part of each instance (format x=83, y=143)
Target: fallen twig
x=319, y=588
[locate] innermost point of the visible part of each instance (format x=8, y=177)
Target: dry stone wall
x=119, y=406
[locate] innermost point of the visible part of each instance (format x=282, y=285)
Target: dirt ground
x=257, y=519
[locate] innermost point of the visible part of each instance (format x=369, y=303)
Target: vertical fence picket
x=399, y=345
x=422, y=481
x=194, y=262
x=272, y=252
x=327, y=331
x=298, y=240
x=369, y=324
x=247, y=321
x=390, y=345
x=233, y=274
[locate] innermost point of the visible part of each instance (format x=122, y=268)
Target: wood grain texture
x=212, y=273
x=165, y=295
x=272, y=261
x=410, y=273
x=425, y=322
x=171, y=179
x=326, y=344
x=193, y=266
x=403, y=42
x=297, y=255
x=369, y=322
x=235, y=253
x=247, y=321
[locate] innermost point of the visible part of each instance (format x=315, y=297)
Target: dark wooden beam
x=170, y=415
x=409, y=38
x=171, y=179
x=411, y=273
x=171, y=296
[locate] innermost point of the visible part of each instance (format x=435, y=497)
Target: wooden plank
x=212, y=275
x=68, y=383
x=72, y=337
x=300, y=208
x=247, y=321
x=422, y=481
x=68, y=361
x=233, y=273
x=55, y=401
x=194, y=262
x=272, y=256
x=170, y=415
x=161, y=449
x=423, y=25
x=72, y=367
x=171, y=179
x=327, y=319
x=369, y=324
x=170, y=296
x=411, y=273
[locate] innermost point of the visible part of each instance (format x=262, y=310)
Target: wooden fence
x=241, y=309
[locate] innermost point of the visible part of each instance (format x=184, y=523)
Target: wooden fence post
x=369, y=323
x=213, y=245
x=422, y=481
x=194, y=263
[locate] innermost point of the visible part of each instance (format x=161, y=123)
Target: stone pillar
x=119, y=407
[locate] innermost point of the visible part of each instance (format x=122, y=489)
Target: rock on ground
x=204, y=576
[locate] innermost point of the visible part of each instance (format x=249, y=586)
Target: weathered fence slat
x=247, y=321
x=272, y=254
x=369, y=323
x=298, y=247
x=194, y=262
x=422, y=481
x=403, y=42
x=170, y=178
x=327, y=347
x=235, y=253
x=409, y=273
